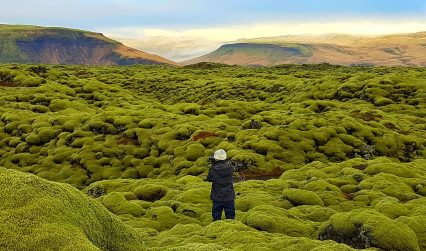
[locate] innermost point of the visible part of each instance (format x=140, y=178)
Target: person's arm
x=209, y=175
x=234, y=169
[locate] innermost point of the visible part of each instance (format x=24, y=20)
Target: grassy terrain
x=345, y=147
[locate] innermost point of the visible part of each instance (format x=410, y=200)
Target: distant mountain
x=389, y=50
x=175, y=48
x=52, y=45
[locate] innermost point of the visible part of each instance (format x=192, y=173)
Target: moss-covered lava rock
x=38, y=215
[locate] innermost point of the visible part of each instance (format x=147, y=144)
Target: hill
x=389, y=50
x=331, y=157
x=51, y=45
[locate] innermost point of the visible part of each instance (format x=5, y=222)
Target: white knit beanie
x=220, y=155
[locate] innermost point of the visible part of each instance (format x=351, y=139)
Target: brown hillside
x=390, y=50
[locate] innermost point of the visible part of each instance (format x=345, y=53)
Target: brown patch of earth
x=203, y=135
x=127, y=141
x=249, y=174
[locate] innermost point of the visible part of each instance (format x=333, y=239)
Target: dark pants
x=218, y=206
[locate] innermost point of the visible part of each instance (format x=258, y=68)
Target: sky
x=180, y=29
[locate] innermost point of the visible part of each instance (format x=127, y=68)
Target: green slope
x=273, y=52
x=36, y=214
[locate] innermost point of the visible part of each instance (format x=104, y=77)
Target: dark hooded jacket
x=220, y=174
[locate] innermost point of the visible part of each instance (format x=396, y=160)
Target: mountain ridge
x=341, y=49
x=57, y=45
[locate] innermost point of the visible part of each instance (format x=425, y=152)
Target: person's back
x=222, y=193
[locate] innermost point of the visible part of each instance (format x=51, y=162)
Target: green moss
x=335, y=148
x=195, y=196
x=46, y=134
x=243, y=157
x=62, y=154
x=140, y=131
x=191, y=109
x=263, y=147
x=321, y=136
x=245, y=201
x=25, y=128
x=312, y=213
x=166, y=218
x=367, y=228
x=302, y=197
x=189, y=179
x=147, y=123
x=130, y=174
x=40, y=109
x=24, y=159
x=195, y=151
x=117, y=203
x=392, y=168
x=62, y=218
x=10, y=127
x=321, y=185
x=144, y=170
x=150, y=192
x=416, y=223
x=181, y=165
x=348, y=189
x=59, y=105
x=14, y=141
x=381, y=101
x=390, y=185
x=391, y=208
x=277, y=220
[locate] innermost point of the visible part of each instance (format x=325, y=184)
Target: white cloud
x=277, y=29
x=231, y=33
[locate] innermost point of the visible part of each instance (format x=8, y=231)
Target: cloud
x=231, y=33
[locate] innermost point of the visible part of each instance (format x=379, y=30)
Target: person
x=222, y=193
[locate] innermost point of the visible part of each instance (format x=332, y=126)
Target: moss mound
x=367, y=228
x=233, y=235
x=36, y=214
x=302, y=197
x=278, y=220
